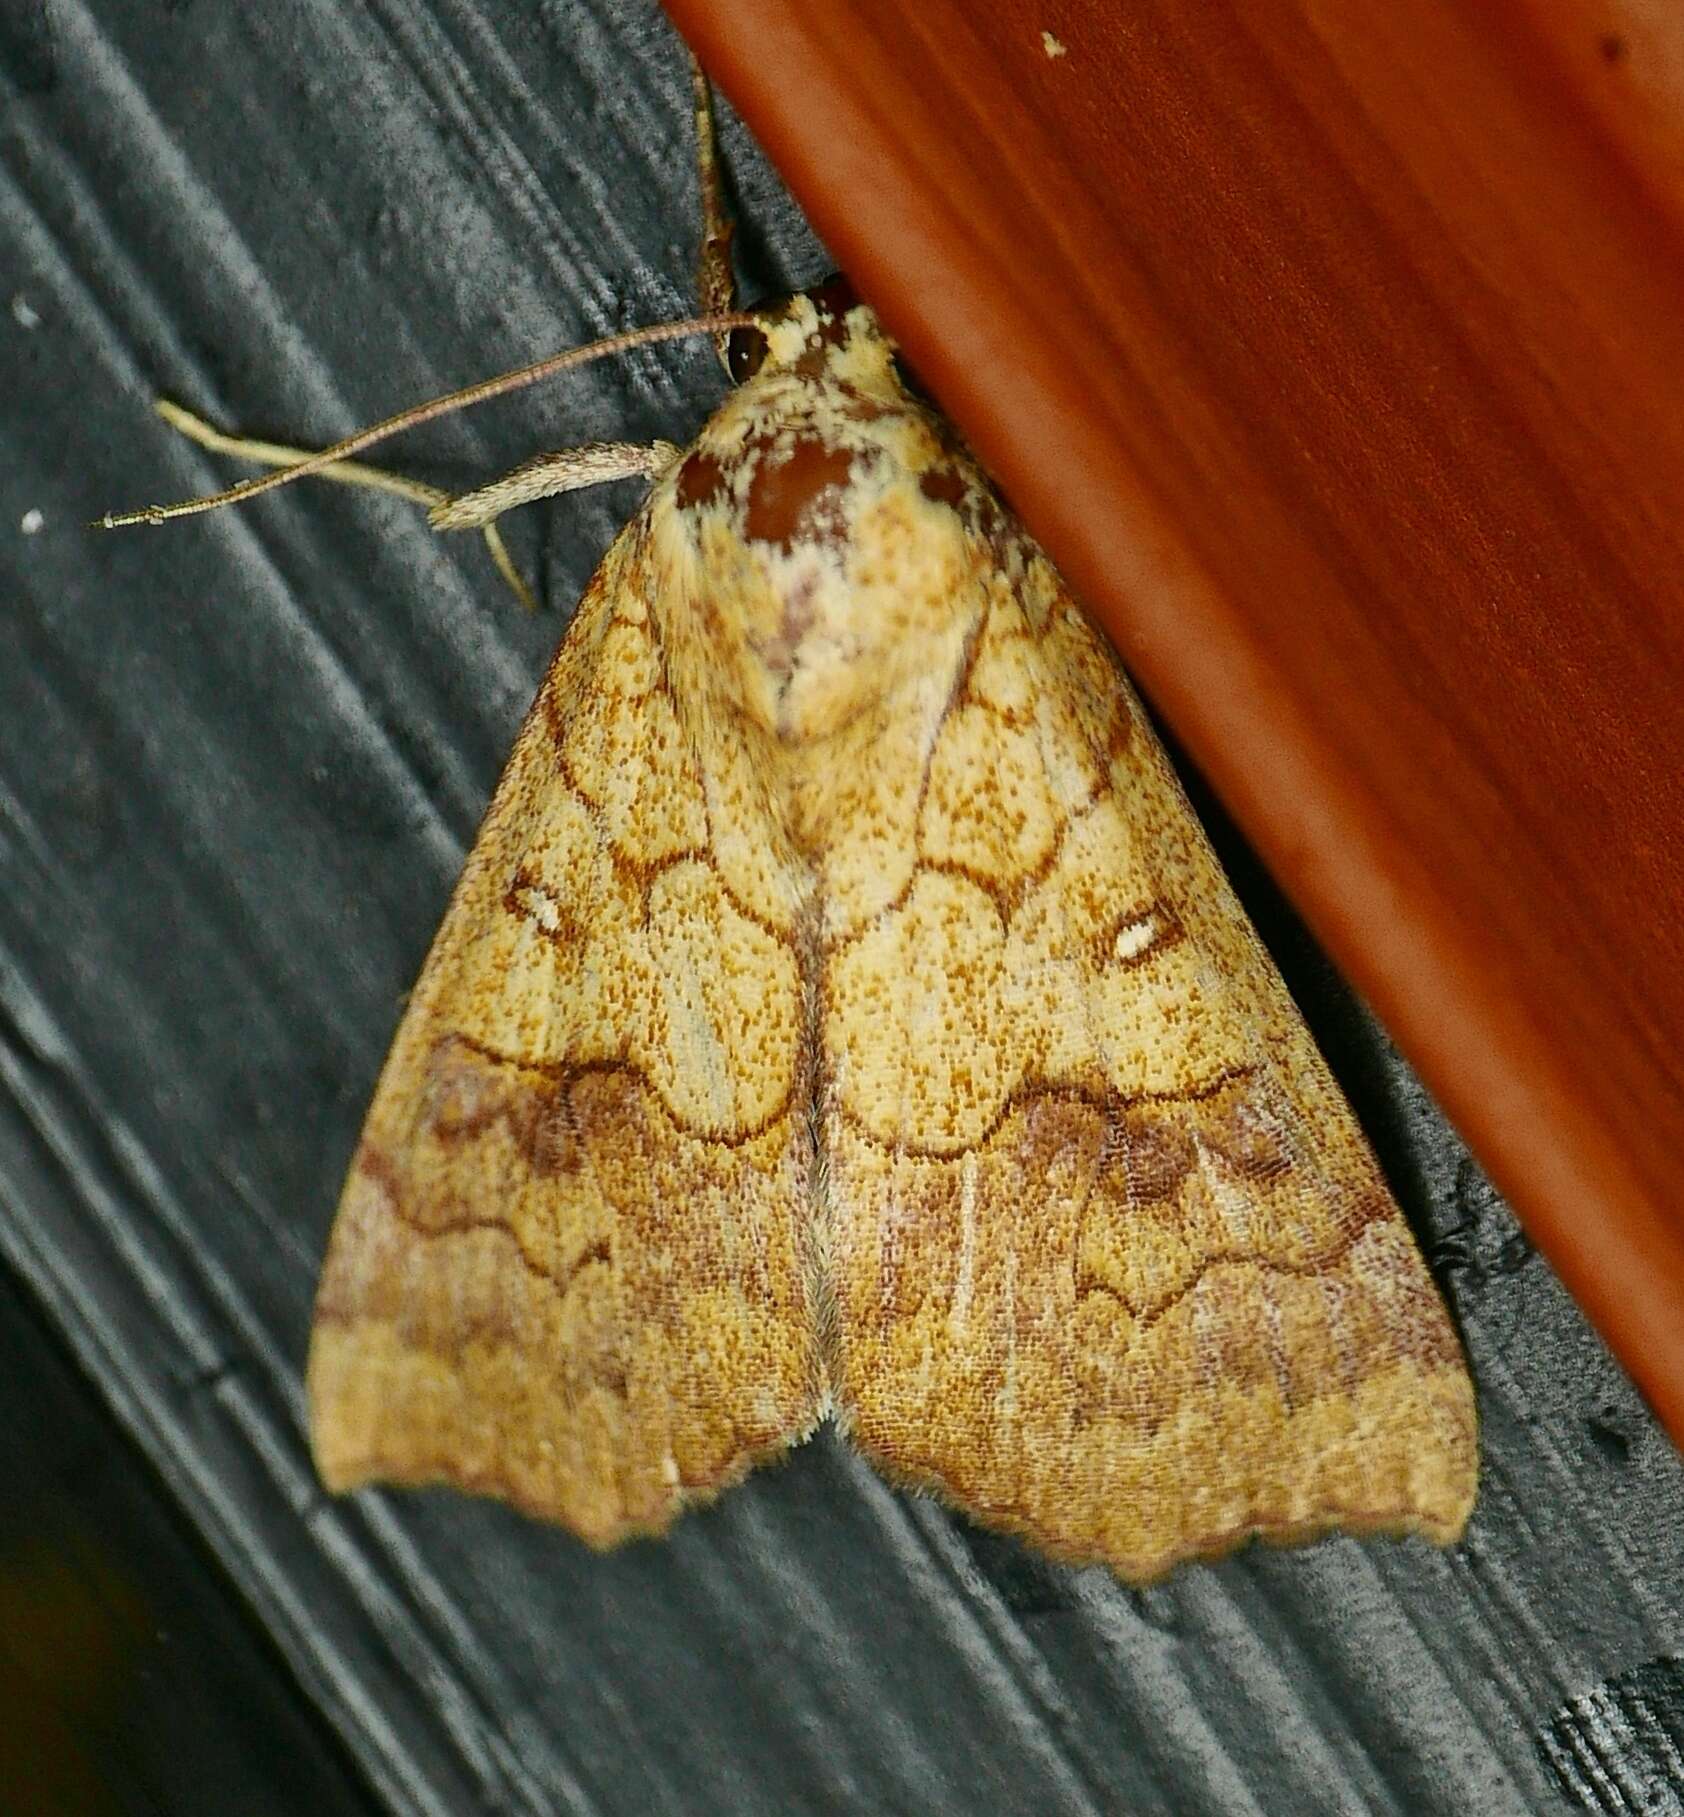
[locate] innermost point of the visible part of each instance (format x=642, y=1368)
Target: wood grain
x=1334, y=354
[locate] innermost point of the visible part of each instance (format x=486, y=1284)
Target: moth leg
x=716, y=284
x=347, y=473
x=567, y=470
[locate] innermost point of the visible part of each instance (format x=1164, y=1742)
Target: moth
x=843, y=1016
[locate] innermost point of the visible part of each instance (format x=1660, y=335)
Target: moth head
x=826, y=329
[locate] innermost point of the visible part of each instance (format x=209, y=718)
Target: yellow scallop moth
x=842, y=1016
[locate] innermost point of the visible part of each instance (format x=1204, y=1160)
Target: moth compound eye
x=745, y=353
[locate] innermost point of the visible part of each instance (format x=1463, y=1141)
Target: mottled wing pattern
x=570, y=1267
x=1113, y=1266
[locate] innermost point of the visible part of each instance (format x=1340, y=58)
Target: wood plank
x=1334, y=353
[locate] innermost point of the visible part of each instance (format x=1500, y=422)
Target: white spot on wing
x=540, y=906
x=1134, y=938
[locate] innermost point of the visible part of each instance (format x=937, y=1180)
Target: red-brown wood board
x=1336, y=353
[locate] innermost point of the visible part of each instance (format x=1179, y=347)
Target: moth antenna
x=716, y=284
x=417, y=414
x=345, y=473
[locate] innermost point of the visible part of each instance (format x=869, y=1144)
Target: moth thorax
x=852, y=575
